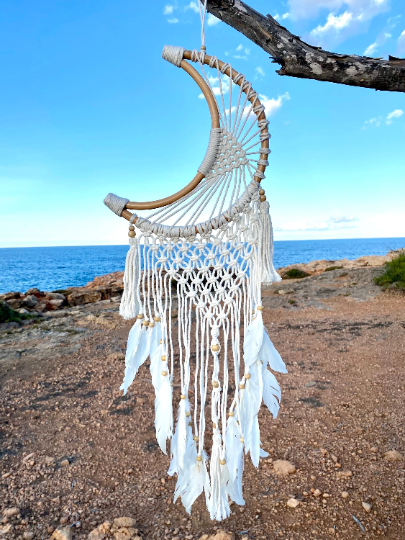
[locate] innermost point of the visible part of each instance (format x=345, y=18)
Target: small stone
x=317, y=493
x=293, y=503
x=10, y=512
x=283, y=467
x=344, y=494
x=393, y=455
x=49, y=460
x=124, y=522
x=6, y=474
x=374, y=449
x=122, y=534
x=28, y=535
x=6, y=529
x=310, y=384
x=64, y=533
x=366, y=506
x=64, y=519
x=65, y=463
x=344, y=474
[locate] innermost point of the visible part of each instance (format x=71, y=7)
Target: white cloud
x=364, y=9
x=371, y=49
x=259, y=72
x=168, y=9
x=330, y=224
x=401, y=44
x=239, y=47
x=333, y=24
x=271, y=105
x=212, y=20
x=345, y=17
x=173, y=21
x=373, y=122
x=394, y=114
x=285, y=16
x=193, y=6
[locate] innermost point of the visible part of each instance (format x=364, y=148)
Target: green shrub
x=291, y=301
x=294, y=273
x=394, y=273
x=10, y=315
x=330, y=268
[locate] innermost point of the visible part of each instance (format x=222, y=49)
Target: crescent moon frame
x=252, y=97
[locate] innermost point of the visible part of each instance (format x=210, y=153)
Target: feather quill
x=137, y=352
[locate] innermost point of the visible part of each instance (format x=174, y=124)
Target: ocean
x=51, y=268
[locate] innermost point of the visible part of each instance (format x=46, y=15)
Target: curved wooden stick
x=212, y=104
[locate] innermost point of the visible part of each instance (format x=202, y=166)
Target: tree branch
x=298, y=59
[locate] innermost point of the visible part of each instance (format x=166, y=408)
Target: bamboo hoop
x=215, y=123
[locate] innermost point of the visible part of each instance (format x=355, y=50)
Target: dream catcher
x=192, y=281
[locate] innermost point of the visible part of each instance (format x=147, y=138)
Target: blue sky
x=88, y=106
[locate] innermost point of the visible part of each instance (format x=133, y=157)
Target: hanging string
x=203, y=11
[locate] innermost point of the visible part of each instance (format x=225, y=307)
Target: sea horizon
x=58, y=267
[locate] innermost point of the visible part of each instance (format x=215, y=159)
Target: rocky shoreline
x=111, y=286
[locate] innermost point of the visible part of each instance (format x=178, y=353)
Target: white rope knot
x=173, y=54
x=115, y=204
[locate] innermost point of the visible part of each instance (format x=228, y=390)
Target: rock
x=65, y=463
x=56, y=304
x=28, y=535
x=344, y=494
x=122, y=534
x=366, y=506
x=317, y=493
x=220, y=535
x=80, y=298
x=393, y=455
x=15, y=303
x=9, y=296
x=5, y=529
x=101, y=532
x=344, y=474
x=293, y=503
x=64, y=533
x=30, y=301
x=10, y=512
x=23, y=311
x=40, y=307
x=310, y=384
x=49, y=460
x=283, y=467
x=124, y=522
x=55, y=296
x=34, y=291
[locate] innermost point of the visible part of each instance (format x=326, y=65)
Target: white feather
x=271, y=392
x=199, y=482
x=137, y=352
x=164, y=412
x=218, y=503
x=253, y=340
x=234, y=487
x=233, y=446
x=255, y=442
x=270, y=355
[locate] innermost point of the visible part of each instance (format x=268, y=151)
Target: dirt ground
x=72, y=449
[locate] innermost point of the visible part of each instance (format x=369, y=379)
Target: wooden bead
x=242, y=440
x=188, y=414
x=231, y=413
x=145, y=323
x=190, y=424
x=259, y=308
x=131, y=228
x=151, y=324
x=163, y=358
x=222, y=461
x=183, y=396
x=131, y=234
x=199, y=458
x=241, y=387
x=160, y=341
x=215, y=347
x=156, y=319
x=195, y=438
x=214, y=425
x=261, y=192
x=262, y=198
x=247, y=375
x=140, y=316
x=215, y=384
x=164, y=373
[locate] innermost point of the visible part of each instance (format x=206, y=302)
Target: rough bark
x=298, y=59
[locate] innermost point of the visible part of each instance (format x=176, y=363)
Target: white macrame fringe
x=266, y=246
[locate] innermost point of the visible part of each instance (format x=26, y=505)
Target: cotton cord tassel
x=266, y=245
x=184, y=474
x=199, y=482
x=253, y=397
x=130, y=302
